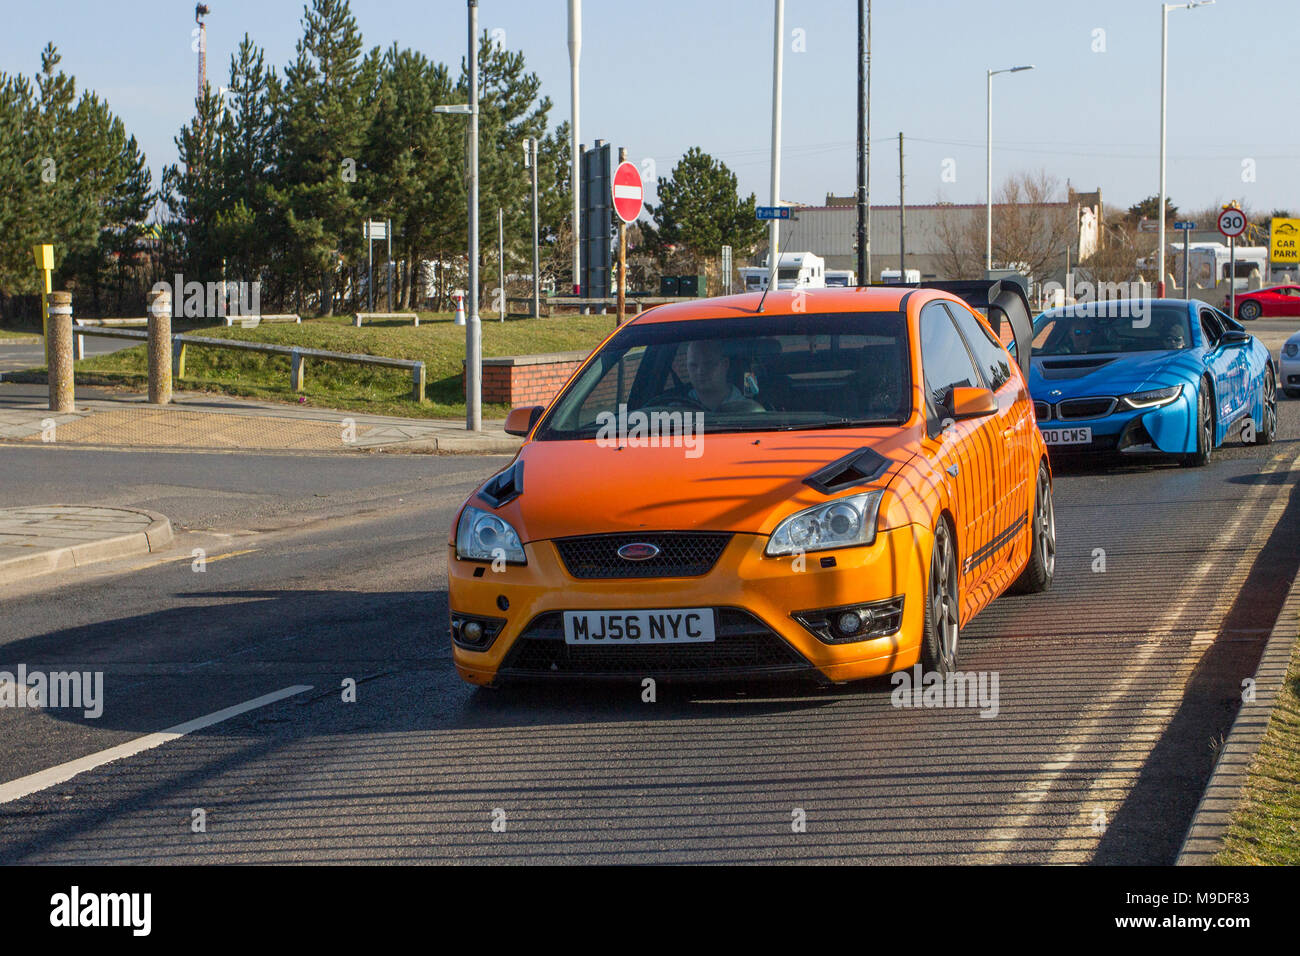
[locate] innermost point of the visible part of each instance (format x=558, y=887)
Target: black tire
x=1038, y=573
x=1204, y=429
x=1266, y=430
x=1249, y=311
x=942, y=607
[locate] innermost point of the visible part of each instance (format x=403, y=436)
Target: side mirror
x=972, y=403
x=1232, y=338
x=521, y=420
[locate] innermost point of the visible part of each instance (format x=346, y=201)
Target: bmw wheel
x=1204, y=428
x=942, y=628
x=1266, y=430
x=1249, y=311
x=1037, y=575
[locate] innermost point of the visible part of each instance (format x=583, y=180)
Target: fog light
x=475, y=633
x=848, y=622
x=855, y=622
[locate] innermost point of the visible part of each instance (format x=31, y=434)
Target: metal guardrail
x=298, y=356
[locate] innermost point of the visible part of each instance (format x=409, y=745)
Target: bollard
x=160, y=346
x=78, y=343
x=178, y=358
x=58, y=343
x=417, y=383
x=297, y=367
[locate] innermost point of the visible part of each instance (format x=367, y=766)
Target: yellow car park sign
x=1284, y=240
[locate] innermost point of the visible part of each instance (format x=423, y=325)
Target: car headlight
x=841, y=523
x=1152, y=399
x=1291, y=349
x=482, y=536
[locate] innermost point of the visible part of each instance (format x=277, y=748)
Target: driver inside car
x=708, y=367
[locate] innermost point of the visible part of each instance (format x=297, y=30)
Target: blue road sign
x=1184, y=225
x=772, y=212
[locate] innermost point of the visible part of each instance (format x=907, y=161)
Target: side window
x=992, y=358
x=1210, y=326
x=1228, y=323
x=944, y=359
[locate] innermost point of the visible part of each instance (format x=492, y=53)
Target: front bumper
x=1289, y=373
x=1169, y=429
x=753, y=596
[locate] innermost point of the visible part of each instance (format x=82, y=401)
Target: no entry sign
x=627, y=192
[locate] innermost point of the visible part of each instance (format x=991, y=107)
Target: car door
x=1288, y=301
x=966, y=451
x=1240, y=367
x=1010, y=430
x=1220, y=362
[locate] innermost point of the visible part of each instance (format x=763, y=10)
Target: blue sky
x=659, y=77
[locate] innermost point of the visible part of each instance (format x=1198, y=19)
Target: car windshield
x=758, y=373
x=1112, y=327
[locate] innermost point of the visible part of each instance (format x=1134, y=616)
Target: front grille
x=1042, y=411
x=1077, y=408
x=681, y=554
x=743, y=645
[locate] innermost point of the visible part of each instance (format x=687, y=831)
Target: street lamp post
x=988, y=163
x=473, y=331
x=1164, y=73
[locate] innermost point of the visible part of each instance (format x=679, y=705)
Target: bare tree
x=1032, y=228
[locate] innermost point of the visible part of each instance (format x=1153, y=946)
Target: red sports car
x=1279, y=300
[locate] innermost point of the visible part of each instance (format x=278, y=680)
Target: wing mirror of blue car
x=521, y=420
x=1232, y=338
x=968, y=402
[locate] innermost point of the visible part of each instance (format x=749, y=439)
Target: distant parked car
x=1279, y=300
x=1290, y=366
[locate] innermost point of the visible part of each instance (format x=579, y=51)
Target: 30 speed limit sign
x=1232, y=222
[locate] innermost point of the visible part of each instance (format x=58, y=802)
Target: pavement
x=39, y=540
x=203, y=422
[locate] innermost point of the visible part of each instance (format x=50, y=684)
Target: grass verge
x=438, y=342
x=1265, y=828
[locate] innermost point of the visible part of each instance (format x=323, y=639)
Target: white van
x=794, y=270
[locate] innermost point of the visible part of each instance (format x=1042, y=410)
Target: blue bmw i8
x=1150, y=376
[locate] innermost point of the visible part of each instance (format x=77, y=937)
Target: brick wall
x=527, y=379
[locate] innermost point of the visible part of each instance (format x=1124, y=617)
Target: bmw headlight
x=482, y=536
x=841, y=523
x=1152, y=399
x=1291, y=349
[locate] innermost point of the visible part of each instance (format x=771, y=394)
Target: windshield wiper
x=838, y=423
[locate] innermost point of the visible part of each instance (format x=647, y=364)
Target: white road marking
x=1000, y=839
x=32, y=783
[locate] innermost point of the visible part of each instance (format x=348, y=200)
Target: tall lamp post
x=988, y=163
x=1164, y=73
x=473, y=331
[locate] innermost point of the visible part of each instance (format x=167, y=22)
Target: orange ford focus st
x=831, y=486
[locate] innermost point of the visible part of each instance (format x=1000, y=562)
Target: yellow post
x=45, y=263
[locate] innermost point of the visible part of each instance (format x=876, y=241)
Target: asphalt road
x=1114, y=688
x=18, y=356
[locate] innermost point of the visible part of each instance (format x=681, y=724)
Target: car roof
x=783, y=302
